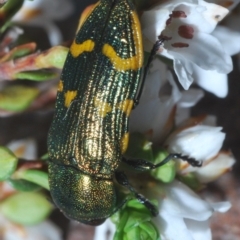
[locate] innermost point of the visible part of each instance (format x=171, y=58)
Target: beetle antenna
x=153, y=52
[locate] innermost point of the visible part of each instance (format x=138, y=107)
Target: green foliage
x=139, y=147
x=23, y=185
x=8, y=10
x=167, y=172
x=8, y=163
x=36, y=75
x=134, y=223
x=191, y=180
x=17, y=97
x=34, y=176
x=26, y=208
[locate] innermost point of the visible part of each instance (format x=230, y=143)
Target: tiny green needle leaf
x=8, y=163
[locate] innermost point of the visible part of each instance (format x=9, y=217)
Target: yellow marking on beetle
x=85, y=14
x=126, y=106
x=132, y=63
x=60, y=86
x=103, y=107
x=69, y=97
x=119, y=63
x=124, y=142
x=137, y=36
x=77, y=49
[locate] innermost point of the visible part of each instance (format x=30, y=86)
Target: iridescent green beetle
x=89, y=133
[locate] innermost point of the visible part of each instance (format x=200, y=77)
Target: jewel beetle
x=89, y=133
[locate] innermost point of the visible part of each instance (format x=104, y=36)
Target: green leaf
x=23, y=185
x=35, y=176
x=8, y=163
x=36, y=75
x=167, y=172
x=17, y=97
x=135, y=204
x=134, y=221
x=135, y=218
x=150, y=230
x=26, y=208
x=55, y=57
x=139, y=147
x=44, y=157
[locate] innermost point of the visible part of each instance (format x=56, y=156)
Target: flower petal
x=199, y=229
x=215, y=168
x=181, y=201
x=199, y=142
x=152, y=112
x=172, y=227
x=224, y=34
x=204, y=50
x=212, y=81
x=221, y=206
x=189, y=99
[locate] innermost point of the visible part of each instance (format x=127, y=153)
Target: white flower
x=199, y=142
x=223, y=34
x=156, y=103
x=43, y=13
x=214, y=81
x=187, y=27
x=162, y=104
x=183, y=215
x=227, y=4
x=215, y=167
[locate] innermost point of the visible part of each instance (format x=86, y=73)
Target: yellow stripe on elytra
x=132, y=63
x=85, y=14
x=69, y=97
x=124, y=142
x=77, y=49
x=119, y=63
x=125, y=106
x=137, y=36
x=60, y=86
x=103, y=107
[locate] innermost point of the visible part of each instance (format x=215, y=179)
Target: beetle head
x=81, y=197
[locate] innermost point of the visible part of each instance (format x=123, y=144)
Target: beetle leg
x=140, y=164
x=122, y=180
x=154, y=50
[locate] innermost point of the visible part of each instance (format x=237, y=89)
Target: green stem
x=9, y=9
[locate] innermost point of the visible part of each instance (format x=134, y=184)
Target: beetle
x=89, y=133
